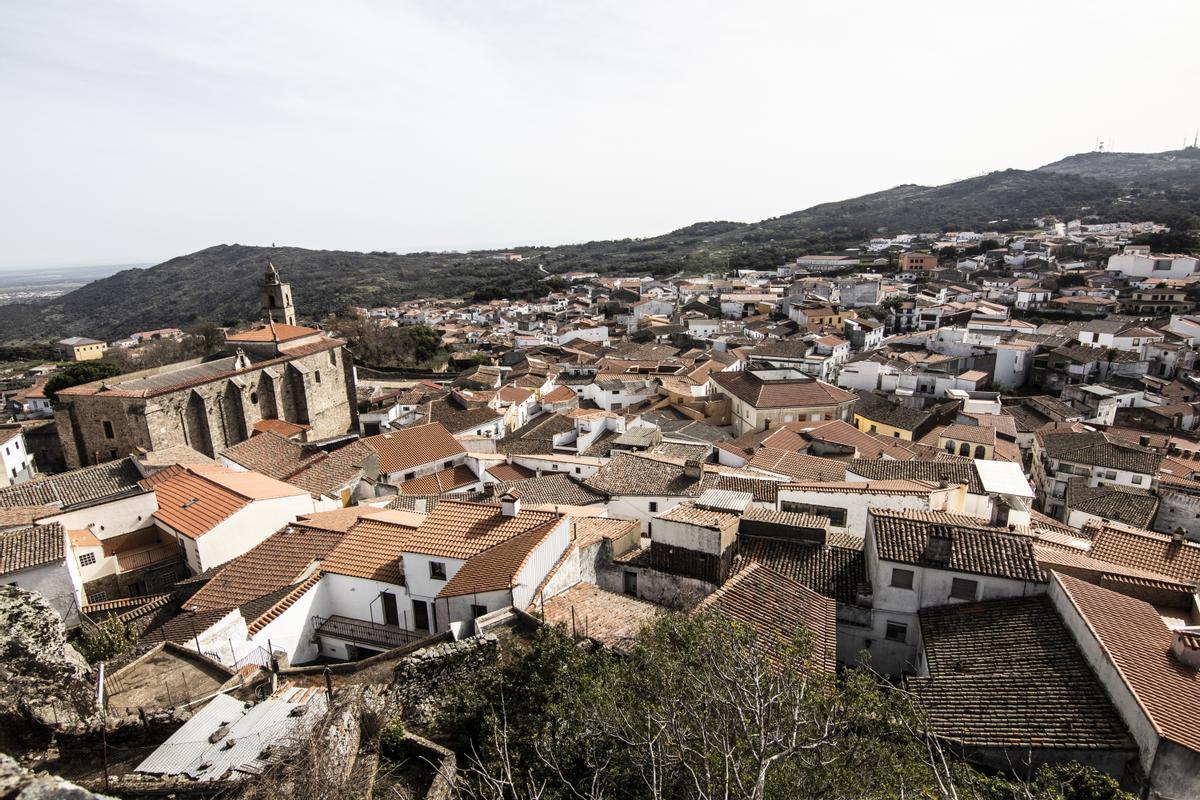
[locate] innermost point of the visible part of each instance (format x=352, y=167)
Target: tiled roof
x=778, y=611
x=879, y=409
x=31, y=547
x=611, y=619
x=835, y=572
x=552, y=489
x=193, y=500
x=902, y=536
x=444, y=480
x=798, y=466
x=953, y=471
x=271, y=454
x=1100, y=450
x=268, y=615
x=590, y=530
x=280, y=426
x=630, y=474
x=78, y=487
x=173, y=380
x=1007, y=673
x=976, y=434
x=536, y=436
x=1146, y=550
x=763, y=490
x=510, y=472
x=271, y=332
x=867, y=487
x=559, y=394
x=1126, y=504
x=496, y=568
x=688, y=514
x=1138, y=643
x=371, y=549
x=332, y=471
x=412, y=447
x=280, y=560
x=798, y=393
x=455, y=529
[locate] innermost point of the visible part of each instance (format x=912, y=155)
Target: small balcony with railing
x=369, y=634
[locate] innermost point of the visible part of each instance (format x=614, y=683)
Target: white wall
x=57, y=581
x=539, y=563
x=857, y=504
x=638, y=507
x=114, y=518
x=248, y=527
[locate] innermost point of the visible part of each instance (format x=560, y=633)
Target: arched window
x=980, y=452
x=950, y=447
x=964, y=449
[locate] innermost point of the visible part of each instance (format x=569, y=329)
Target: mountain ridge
x=219, y=284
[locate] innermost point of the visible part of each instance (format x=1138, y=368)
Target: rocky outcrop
x=18, y=783
x=44, y=682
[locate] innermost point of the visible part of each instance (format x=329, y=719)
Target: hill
x=1177, y=170
x=218, y=284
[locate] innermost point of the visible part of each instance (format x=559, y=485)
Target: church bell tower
x=277, y=299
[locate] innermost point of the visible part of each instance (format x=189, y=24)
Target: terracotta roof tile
x=412, y=447
x=272, y=332
x=31, y=547
x=613, y=620
x=835, y=572
x=902, y=536
x=282, y=559
x=455, y=529
x=1006, y=673
x=778, y=609
x=496, y=568
x=445, y=480
x=795, y=393
x=371, y=549
x=1138, y=643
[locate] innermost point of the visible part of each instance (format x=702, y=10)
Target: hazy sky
x=136, y=131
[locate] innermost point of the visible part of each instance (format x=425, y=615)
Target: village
x=967, y=462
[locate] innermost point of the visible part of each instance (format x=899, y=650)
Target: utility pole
x=103, y=725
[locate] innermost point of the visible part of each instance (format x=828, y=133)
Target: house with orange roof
x=415, y=451
x=216, y=514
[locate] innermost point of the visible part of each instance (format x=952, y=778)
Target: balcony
x=362, y=632
x=142, y=557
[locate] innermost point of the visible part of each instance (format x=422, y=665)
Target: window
x=317, y=376
x=254, y=398
x=478, y=611
x=447, y=464
x=653, y=506
x=1137, y=479
x=408, y=476
x=631, y=583
x=108, y=429
x=980, y=452
x=1110, y=475
x=437, y=570
x=963, y=589
x=902, y=578
x=333, y=358
x=112, y=454
x=87, y=559
x=896, y=632
x=97, y=596
x=579, y=470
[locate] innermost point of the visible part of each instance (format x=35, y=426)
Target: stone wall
x=315, y=389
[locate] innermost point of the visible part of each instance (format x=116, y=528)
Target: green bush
x=110, y=638
x=391, y=739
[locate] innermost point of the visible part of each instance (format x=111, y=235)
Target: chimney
x=489, y=489
x=1144, y=441
x=1185, y=646
x=943, y=481
x=510, y=503
x=692, y=469
x=939, y=544
x=1178, y=535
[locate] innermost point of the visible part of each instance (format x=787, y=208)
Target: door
x=391, y=616
x=420, y=615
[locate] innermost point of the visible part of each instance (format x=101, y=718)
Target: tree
x=696, y=708
x=78, y=373
x=110, y=638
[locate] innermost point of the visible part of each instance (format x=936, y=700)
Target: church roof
x=271, y=332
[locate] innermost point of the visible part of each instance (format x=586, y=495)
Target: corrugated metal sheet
x=724, y=500
x=237, y=753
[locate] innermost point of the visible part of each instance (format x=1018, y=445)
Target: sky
x=138, y=131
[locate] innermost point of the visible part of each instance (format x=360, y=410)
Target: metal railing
x=136, y=559
x=360, y=631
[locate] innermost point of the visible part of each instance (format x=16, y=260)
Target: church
x=300, y=378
